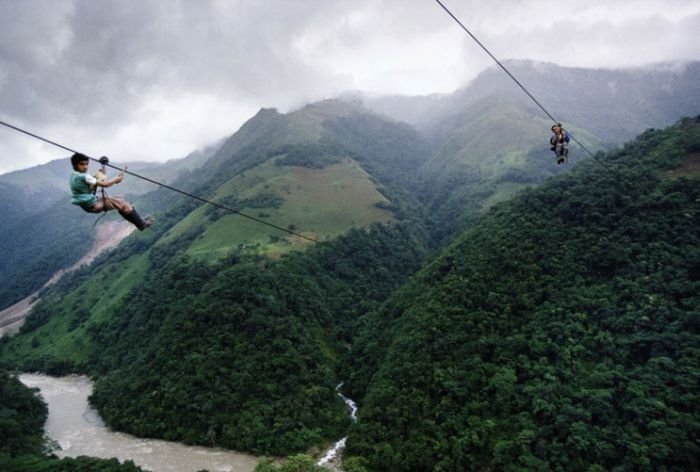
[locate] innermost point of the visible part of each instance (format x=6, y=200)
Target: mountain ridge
x=261, y=342
x=544, y=330
x=620, y=93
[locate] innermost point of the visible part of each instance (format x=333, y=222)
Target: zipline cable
x=505, y=69
x=174, y=189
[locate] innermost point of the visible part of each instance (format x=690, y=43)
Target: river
x=330, y=458
x=77, y=428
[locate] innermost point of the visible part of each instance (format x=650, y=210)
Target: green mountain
x=482, y=144
x=228, y=325
x=36, y=240
x=494, y=150
x=559, y=333
x=613, y=104
x=489, y=140
x=207, y=328
x=303, y=172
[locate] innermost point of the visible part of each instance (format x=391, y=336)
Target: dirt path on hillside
x=108, y=235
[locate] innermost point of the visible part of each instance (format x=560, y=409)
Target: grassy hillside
x=55, y=338
x=319, y=203
x=486, y=154
x=560, y=333
x=319, y=171
x=43, y=233
x=194, y=334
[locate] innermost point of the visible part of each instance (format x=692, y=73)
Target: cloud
x=147, y=79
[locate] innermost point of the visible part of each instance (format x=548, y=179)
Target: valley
x=486, y=308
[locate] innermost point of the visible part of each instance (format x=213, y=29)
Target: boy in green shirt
x=83, y=186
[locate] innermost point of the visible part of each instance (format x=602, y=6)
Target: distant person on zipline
x=560, y=143
x=84, y=187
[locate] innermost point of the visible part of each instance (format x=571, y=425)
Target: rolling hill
x=489, y=140
x=559, y=333
x=213, y=329
x=196, y=307
x=474, y=148
x=36, y=240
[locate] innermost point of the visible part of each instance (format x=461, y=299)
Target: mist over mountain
x=489, y=139
x=470, y=149
x=613, y=104
x=441, y=265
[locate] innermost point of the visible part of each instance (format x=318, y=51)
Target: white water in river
x=78, y=430
x=334, y=452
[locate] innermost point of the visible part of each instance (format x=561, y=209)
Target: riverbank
x=78, y=430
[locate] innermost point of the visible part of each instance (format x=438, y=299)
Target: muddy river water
x=78, y=430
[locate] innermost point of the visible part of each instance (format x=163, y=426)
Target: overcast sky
x=157, y=79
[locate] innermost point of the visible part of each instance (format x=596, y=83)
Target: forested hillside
x=469, y=150
x=210, y=330
x=490, y=140
x=547, y=336
x=560, y=333
x=494, y=149
x=43, y=233
x=38, y=245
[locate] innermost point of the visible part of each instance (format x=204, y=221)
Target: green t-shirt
x=80, y=183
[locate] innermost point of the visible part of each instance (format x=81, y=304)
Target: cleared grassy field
x=317, y=203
